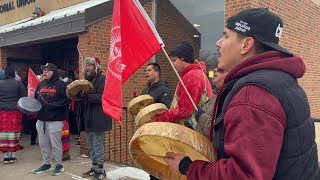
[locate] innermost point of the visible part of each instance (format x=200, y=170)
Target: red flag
x=33, y=82
x=134, y=40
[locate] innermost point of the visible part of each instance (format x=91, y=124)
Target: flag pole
x=184, y=87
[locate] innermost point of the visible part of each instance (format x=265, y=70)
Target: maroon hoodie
x=255, y=123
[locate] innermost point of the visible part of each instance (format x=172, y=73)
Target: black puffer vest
x=298, y=157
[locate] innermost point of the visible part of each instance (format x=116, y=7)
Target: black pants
x=73, y=126
x=31, y=127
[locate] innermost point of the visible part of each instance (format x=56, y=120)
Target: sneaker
x=78, y=143
x=44, y=168
x=100, y=175
x=13, y=159
x=58, y=170
x=90, y=173
x=6, y=160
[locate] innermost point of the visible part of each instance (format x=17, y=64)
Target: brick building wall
x=62, y=53
x=301, y=35
x=21, y=59
x=3, y=58
x=32, y=52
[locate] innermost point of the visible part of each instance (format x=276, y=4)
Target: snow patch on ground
x=127, y=172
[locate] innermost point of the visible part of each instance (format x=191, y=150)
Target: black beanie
x=184, y=50
x=9, y=72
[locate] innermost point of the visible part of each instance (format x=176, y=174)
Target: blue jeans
x=96, y=143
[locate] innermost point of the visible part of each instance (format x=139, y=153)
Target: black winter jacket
x=11, y=91
x=160, y=92
x=94, y=117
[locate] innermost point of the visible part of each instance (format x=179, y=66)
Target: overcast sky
x=209, y=14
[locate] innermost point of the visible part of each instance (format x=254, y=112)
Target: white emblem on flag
x=115, y=65
x=115, y=48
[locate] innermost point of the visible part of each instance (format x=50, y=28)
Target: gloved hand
x=82, y=96
x=198, y=113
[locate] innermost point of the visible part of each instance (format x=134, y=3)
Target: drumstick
x=165, y=147
x=146, y=155
x=42, y=98
x=156, y=156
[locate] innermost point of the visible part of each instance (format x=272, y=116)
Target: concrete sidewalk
x=30, y=159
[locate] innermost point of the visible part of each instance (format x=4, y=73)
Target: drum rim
x=28, y=111
x=142, y=114
x=141, y=133
x=74, y=83
x=135, y=102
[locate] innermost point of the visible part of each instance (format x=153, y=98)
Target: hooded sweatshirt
x=52, y=96
x=255, y=123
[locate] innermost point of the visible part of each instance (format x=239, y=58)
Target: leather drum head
x=146, y=114
x=29, y=105
x=136, y=104
x=152, y=141
x=78, y=85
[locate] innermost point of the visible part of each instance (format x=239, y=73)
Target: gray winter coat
x=204, y=117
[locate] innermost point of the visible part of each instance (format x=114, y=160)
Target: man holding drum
x=157, y=88
x=96, y=122
x=263, y=128
x=51, y=92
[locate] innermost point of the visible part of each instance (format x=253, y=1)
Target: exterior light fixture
x=36, y=12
